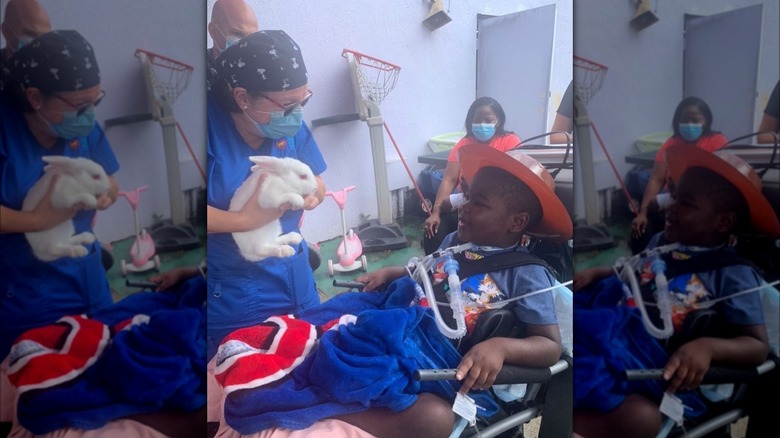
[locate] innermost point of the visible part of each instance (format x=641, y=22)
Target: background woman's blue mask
x=483, y=131
x=690, y=131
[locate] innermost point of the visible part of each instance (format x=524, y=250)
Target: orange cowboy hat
x=555, y=223
x=736, y=171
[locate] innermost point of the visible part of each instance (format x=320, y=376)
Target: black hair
x=702, y=106
x=222, y=93
x=724, y=196
x=495, y=106
x=16, y=94
x=517, y=196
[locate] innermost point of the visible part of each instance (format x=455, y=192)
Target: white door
x=721, y=66
x=514, y=59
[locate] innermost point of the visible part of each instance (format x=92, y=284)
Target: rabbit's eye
x=303, y=176
x=96, y=177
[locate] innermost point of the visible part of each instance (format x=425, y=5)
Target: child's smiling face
x=693, y=219
x=485, y=219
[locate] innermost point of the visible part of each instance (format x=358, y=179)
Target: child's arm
x=381, y=277
x=168, y=279
x=479, y=367
x=583, y=279
x=686, y=368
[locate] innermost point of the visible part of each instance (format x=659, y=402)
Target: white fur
x=288, y=181
x=80, y=180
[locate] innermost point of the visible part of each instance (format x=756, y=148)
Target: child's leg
x=429, y=416
x=635, y=417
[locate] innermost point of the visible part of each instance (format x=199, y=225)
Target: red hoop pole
x=601, y=66
x=359, y=55
x=409, y=172
x=187, y=142
x=614, y=169
x=153, y=55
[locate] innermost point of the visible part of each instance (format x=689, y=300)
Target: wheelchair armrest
x=716, y=374
x=507, y=374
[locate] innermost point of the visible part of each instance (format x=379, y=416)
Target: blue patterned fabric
x=355, y=367
x=147, y=368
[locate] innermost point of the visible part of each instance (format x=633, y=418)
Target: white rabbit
x=80, y=180
x=288, y=181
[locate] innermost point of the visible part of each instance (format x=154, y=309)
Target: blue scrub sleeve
x=308, y=151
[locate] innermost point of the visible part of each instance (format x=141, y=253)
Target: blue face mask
x=229, y=41
x=23, y=41
x=690, y=131
x=73, y=126
x=483, y=131
x=280, y=125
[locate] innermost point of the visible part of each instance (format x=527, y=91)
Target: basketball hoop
x=588, y=77
x=166, y=77
x=376, y=78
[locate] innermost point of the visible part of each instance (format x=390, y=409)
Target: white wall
x=645, y=78
x=115, y=29
x=434, y=90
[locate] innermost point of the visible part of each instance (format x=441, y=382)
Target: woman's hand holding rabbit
x=254, y=216
x=310, y=202
x=47, y=215
x=104, y=201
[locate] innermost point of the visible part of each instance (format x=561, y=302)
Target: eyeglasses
x=83, y=108
x=288, y=109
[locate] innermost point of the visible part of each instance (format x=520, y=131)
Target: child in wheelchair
x=690, y=265
x=507, y=198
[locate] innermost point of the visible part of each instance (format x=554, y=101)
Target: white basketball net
x=169, y=77
x=377, y=78
x=588, y=77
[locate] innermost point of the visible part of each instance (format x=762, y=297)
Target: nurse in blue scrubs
x=255, y=108
x=48, y=108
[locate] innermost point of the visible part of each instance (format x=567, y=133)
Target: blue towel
x=146, y=368
x=608, y=339
x=355, y=367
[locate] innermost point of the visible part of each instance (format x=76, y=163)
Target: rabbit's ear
x=267, y=164
x=63, y=164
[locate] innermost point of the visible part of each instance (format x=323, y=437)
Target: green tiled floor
x=412, y=228
x=168, y=261
x=411, y=225
x=619, y=229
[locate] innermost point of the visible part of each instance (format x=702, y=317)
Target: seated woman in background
x=692, y=125
x=485, y=121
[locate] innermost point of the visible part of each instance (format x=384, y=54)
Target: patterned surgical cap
x=61, y=60
x=268, y=60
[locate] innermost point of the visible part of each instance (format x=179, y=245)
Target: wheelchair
x=752, y=385
x=548, y=393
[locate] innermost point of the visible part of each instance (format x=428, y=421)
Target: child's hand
x=373, y=280
x=381, y=277
x=480, y=366
x=168, y=279
x=685, y=369
x=583, y=279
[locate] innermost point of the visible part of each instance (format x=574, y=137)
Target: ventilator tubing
x=422, y=266
x=658, y=266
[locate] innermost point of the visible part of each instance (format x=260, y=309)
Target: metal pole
x=375, y=128
x=584, y=160
x=168, y=123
